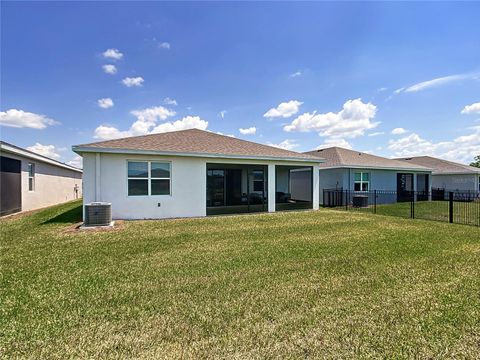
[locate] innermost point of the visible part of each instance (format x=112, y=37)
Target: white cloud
x=222, y=113
x=133, y=81
x=434, y=83
x=106, y=132
x=169, y=101
x=77, y=162
x=229, y=135
x=23, y=119
x=188, y=122
x=105, y=103
x=109, y=69
x=462, y=148
x=164, y=45
x=286, y=144
x=147, y=123
x=147, y=118
x=399, y=131
x=46, y=150
x=248, y=131
x=335, y=142
x=295, y=74
x=438, y=82
x=153, y=113
x=284, y=110
x=382, y=89
x=376, y=133
x=472, y=109
x=353, y=120
x=112, y=54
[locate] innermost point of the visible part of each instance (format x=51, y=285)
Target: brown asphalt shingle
x=195, y=141
x=441, y=166
x=340, y=157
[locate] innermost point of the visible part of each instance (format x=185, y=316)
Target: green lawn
x=467, y=213
x=288, y=285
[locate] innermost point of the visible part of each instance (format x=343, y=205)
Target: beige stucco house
x=31, y=181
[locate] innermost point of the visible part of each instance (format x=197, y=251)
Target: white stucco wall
x=301, y=184
x=283, y=180
x=456, y=182
x=188, y=187
x=105, y=179
x=53, y=184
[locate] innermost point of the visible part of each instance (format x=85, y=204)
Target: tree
x=476, y=161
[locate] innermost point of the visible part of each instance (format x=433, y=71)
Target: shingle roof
x=194, y=142
x=441, y=166
x=340, y=157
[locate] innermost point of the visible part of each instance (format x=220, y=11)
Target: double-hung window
x=362, y=181
x=148, y=178
x=31, y=177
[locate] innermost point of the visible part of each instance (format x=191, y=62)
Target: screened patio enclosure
x=236, y=188
x=293, y=187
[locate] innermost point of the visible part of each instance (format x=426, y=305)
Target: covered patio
x=248, y=188
x=236, y=188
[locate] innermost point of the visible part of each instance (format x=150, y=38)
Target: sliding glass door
x=235, y=188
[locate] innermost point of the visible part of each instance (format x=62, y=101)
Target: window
x=362, y=181
x=31, y=177
x=148, y=178
x=258, y=180
x=160, y=178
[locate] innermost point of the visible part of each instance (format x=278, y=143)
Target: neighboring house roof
x=337, y=157
x=194, y=142
x=13, y=149
x=441, y=166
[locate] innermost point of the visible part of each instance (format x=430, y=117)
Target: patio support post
x=271, y=188
x=316, y=187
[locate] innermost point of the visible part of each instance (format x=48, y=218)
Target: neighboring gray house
x=449, y=175
x=352, y=170
x=31, y=181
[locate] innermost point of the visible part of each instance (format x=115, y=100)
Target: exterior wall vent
x=98, y=214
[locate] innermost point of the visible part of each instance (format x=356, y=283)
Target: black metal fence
x=460, y=207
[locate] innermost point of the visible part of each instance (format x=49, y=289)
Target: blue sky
x=297, y=75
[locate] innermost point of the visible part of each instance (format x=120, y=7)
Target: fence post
x=374, y=201
x=346, y=200
x=450, y=207
x=412, y=204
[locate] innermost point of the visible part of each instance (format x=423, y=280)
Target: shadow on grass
x=71, y=216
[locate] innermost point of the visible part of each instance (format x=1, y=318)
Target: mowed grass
x=467, y=213
x=316, y=284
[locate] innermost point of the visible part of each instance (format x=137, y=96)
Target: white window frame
x=30, y=176
x=149, y=178
x=361, y=182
